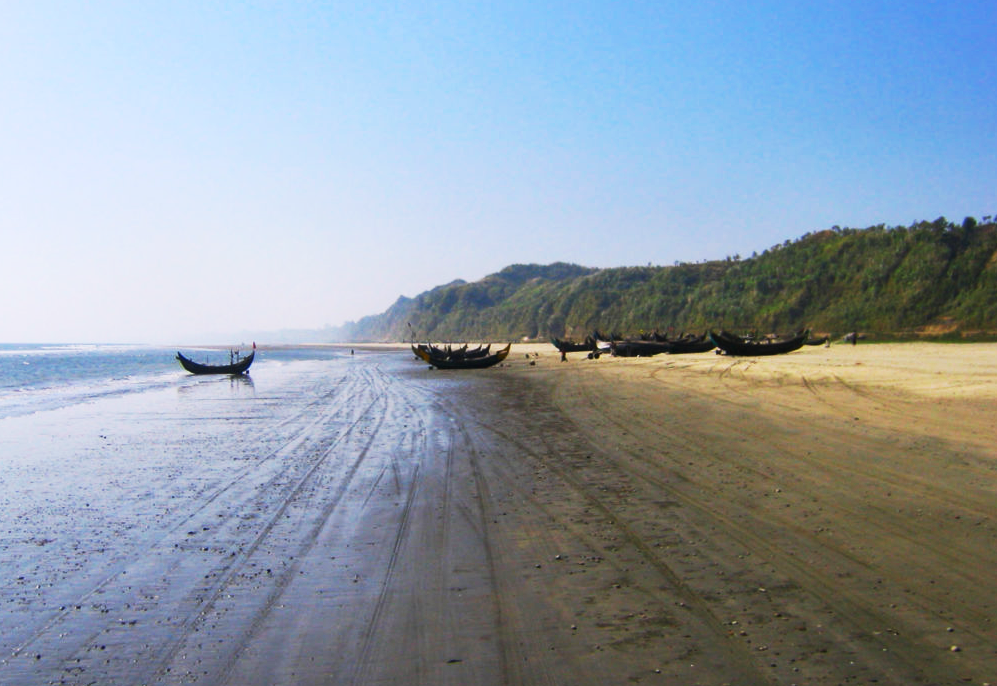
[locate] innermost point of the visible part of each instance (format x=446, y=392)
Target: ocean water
x=39, y=377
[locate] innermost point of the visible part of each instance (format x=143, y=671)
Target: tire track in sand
x=828, y=591
x=66, y=616
x=270, y=598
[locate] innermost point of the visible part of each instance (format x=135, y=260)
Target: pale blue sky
x=174, y=171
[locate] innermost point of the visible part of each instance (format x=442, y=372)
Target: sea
x=40, y=377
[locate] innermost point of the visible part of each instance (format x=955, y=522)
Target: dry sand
x=823, y=517
x=830, y=513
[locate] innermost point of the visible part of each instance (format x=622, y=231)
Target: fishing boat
x=238, y=367
x=638, y=348
x=567, y=346
x=441, y=361
x=691, y=344
x=461, y=353
x=733, y=344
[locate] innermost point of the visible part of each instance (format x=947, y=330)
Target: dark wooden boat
x=638, y=348
x=733, y=344
x=691, y=344
x=461, y=362
x=816, y=341
x=656, y=344
x=424, y=351
x=239, y=367
x=566, y=346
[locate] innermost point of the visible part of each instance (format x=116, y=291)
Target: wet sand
x=823, y=517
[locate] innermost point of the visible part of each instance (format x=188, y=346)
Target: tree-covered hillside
x=932, y=277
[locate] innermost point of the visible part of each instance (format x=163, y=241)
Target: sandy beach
x=830, y=512
x=823, y=517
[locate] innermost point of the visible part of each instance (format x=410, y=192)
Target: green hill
x=931, y=278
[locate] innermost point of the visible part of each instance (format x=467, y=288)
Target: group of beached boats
x=461, y=357
x=481, y=357
x=723, y=342
x=595, y=345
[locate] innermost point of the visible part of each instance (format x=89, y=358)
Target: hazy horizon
x=182, y=171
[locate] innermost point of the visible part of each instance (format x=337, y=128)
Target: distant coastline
x=927, y=281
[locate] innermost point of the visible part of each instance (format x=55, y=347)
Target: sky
x=182, y=172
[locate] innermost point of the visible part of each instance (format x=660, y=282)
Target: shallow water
x=36, y=378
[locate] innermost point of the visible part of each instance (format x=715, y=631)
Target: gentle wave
x=42, y=377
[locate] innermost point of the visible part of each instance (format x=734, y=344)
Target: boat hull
x=240, y=367
x=735, y=345
x=572, y=347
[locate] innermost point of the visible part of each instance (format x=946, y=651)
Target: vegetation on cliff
x=937, y=278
